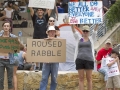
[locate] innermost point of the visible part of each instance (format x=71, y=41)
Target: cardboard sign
x=113, y=70
x=9, y=45
x=49, y=4
x=41, y=50
x=85, y=12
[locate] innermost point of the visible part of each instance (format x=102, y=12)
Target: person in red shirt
x=102, y=53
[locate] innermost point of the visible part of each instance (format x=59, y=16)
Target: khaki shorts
x=113, y=82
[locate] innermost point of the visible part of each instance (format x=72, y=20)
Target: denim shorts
x=16, y=63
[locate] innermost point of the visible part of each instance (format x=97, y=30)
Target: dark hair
x=6, y=22
x=10, y=2
x=115, y=52
x=40, y=8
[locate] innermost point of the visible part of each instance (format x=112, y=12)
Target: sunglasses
x=51, y=20
x=108, y=43
x=85, y=31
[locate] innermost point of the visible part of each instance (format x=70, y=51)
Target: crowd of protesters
x=44, y=28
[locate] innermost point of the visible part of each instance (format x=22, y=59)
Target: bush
x=113, y=15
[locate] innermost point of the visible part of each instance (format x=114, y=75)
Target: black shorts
x=84, y=64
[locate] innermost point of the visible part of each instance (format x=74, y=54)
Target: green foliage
x=113, y=15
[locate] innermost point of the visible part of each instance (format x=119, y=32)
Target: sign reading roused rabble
x=9, y=45
x=41, y=50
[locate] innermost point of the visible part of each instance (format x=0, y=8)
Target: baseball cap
x=108, y=41
x=86, y=27
x=50, y=28
x=51, y=18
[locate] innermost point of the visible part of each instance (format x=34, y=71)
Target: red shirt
x=102, y=53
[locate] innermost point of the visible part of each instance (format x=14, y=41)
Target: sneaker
x=37, y=69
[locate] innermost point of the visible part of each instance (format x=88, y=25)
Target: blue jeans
x=104, y=72
x=49, y=68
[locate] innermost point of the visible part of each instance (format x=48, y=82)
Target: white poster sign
x=85, y=12
x=113, y=70
x=103, y=63
x=49, y=4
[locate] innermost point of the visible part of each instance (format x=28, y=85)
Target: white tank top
x=8, y=13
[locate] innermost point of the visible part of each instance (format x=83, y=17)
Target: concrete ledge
x=30, y=80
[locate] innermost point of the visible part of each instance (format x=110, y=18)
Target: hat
x=86, y=27
x=50, y=28
x=108, y=41
x=51, y=18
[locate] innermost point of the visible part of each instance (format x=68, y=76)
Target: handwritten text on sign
x=9, y=45
x=85, y=12
x=46, y=50
x=49, y=4
x=113, y=70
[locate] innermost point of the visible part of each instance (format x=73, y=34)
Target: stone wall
x=66, y=81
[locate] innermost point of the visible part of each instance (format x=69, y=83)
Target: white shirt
x=91, y=38
x=113, y=70
x=8, y=13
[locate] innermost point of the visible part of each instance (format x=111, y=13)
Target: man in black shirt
x=40, y=25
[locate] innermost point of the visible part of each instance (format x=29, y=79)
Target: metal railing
x=102, y=28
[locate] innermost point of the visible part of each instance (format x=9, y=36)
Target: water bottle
x=30, y=25
x=20, y=33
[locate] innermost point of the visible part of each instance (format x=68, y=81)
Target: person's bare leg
x=105, y=85
x=15, y=77
x=89, y=79
x=2, y=18
x=81, y=79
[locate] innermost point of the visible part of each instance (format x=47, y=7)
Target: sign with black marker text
x=41, y=50
x=49, y=4
x=9, y=45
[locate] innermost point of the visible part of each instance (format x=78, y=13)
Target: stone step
x=26, y=32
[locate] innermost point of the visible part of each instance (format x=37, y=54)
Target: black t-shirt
x=40, y=26
x=56, y=28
